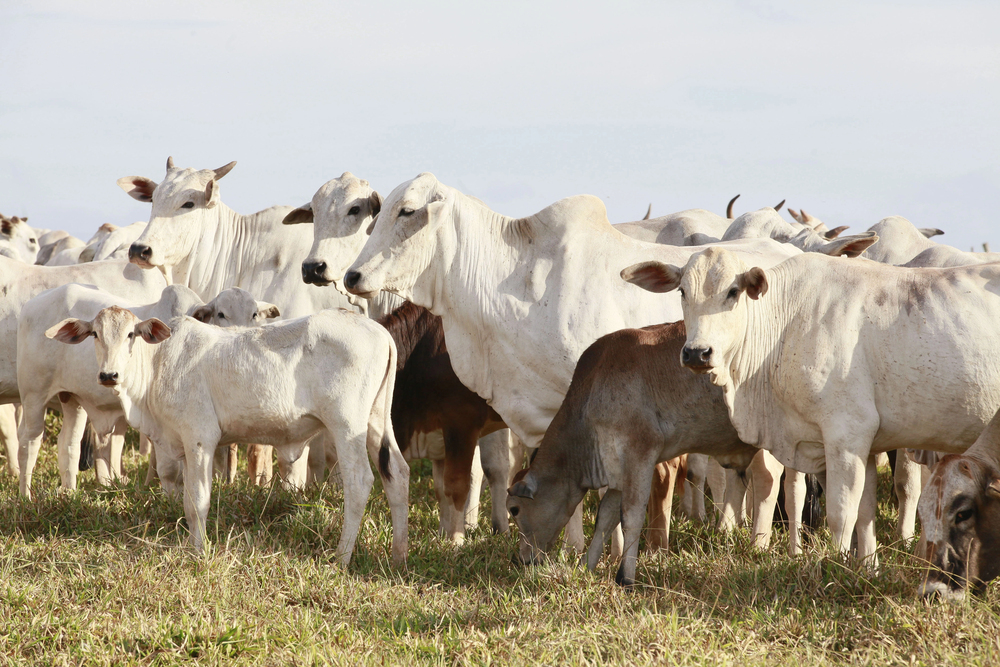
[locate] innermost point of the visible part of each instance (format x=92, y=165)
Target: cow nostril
x=706, y=353
x=351, y=279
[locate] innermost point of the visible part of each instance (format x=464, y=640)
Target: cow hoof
x=624, y=581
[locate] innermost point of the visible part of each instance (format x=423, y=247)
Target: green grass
x=103, y=577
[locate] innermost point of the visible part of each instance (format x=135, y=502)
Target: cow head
x=235, y=307
x=342, y=212
x=766, y=223
x=960, y=527
x=181, y=209
x=21, y=237
x=540, y=508
x=413, y=229
x=715, y=286
x=115, y=331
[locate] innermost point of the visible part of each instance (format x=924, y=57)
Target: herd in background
x=425, y=325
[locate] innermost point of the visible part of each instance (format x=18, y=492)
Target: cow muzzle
x=314, y=273
x=698, y=359
x=108, y=379
x=140, y=254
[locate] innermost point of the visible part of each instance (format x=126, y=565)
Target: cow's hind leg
x=908, y=484
x=661, y=501
x=765, y=477
x=74, y=421
x=495, y=456
x=733, y=499
x=9, y=435
x=260, y=464
x=459, y=452
x=199, y=455
x=31, y=432
x=795, y=502
x=358, y=480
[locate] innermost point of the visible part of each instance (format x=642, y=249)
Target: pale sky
x=851, y=110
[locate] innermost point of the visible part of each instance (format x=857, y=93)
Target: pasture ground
x=102, y=577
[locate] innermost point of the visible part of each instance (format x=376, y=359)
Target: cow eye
x=354, y=210
x=406, y=212
x=514, y=510
x=254, y=316
x=190, y=204
x=963, y=516
x=131, y=335
x=222, y=316
x=733, y=293
x=32, y=240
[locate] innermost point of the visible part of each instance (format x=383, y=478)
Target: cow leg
x=609, y=514
x=169, y=468
x=74, y=421
x=637, y=482
x=117, y=450
x=444, y=507
x=146, y=443
x=102, y=455
x=260, y=464
x=495, y=456
x=459, y=452
x=232, y=462
x=30, y=434
x=293, y=466
x=473, y=499
x=867, y=510
x=383, y=450
x=199, y=456
x=844, y=486
x=765, y=478
x=795, y=502
x=716, y=479
x=693, y=500
x=317, y=459
x=573, y=536
x=9, y=435
x=733, y=499
x=907, y=481
x=661, y=500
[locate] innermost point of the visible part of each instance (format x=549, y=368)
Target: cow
x=630, y=405
x=766, y=223
x=946, y=256
x=899, y=241
x=20, y=282
x=960, y=517
x=825, y=362
x=429, y=397
x=200, y=242
x=520, y=299
x=47, y=369
x=116, y=244
x=685, y=228
x=64, y=251
x=332, y=371
x=20, y=240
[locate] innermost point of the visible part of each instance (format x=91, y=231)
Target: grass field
x=102, y=577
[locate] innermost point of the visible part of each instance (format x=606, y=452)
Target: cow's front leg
x=908, y=484
x=867, y=510
x=636, y=485
x=765, y=477
x=199, y=455
x=795, y=502
x=608, y=519
x=734, y=496
x=845, y=483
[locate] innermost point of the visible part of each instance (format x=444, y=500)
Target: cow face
x=235, y=307
x=540, y=510
x=180, y=213
x=960, y=527
x=22, y=237
x=115, y=331
x=714, y=287
x=342, y=213
x=411, y=232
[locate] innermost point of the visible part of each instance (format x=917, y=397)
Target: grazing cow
x=428, y=397
x=18, y=239
x=331, y=371
x=203, y=244
x=47, y=369
x=960, y=516
x=520, y=299
x=629, y=406
x=825, y=362
x=20, y=282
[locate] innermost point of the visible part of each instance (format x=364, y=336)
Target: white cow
x=116, y=244
x=826, y=362
x=520, y=299
x=685, y=228
x=946, y=255
x=47, y=369
x=207, y=246
x=20, y=282
x=899, y=241
x=18, y=239
x=766, y=223
x=334, y=370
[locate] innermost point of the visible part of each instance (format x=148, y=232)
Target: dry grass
x=102, y=577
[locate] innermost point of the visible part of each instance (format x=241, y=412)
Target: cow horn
x=648, y=211
x=170, y=163
x=835, y=232
x=780, y=204
x=729, y=209
x=222, y=171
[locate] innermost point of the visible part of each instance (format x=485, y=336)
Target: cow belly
x=270, y=431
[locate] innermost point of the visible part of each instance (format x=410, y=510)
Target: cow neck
x=223, y=255
x=136, y=387
x=748, y=390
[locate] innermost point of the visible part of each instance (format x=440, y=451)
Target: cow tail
x=87, y=447
x=384, y=398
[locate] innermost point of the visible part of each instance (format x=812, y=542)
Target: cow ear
x=834, y=233
x=375, y=203
x=138, y=187
x=70, y=331
x=849, y=246
x=371, y=227
x=204, y=314
x=211, y=194
x=153, y=331
x=267, y=310
x=299, y=215
x=526, y=488
x=653, y=276
x=753, y=282
x=993, y=489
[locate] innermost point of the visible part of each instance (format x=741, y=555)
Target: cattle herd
x=636, y=359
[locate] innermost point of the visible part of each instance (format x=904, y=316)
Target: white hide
x=334, y=370
x=766, y=223
x=685, y=228
x=899, y=241
x=17, y=236
x=209, y=247
x=520, y=299
x=116, y=244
